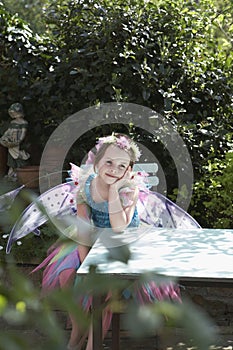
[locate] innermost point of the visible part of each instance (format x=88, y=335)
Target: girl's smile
x=115, y=177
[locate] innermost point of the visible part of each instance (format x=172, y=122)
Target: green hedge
x=213, y=193
x=172, y=56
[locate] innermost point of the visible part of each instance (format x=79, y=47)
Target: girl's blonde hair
x=119, y=140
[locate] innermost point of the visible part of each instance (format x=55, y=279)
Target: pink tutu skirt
x=65, y=258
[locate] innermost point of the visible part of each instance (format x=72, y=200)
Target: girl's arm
x=120, y=216
x=83, y=213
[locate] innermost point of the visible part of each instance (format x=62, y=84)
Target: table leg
x=116, y=331
x=97, y=323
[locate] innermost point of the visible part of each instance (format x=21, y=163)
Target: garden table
x=193, y=256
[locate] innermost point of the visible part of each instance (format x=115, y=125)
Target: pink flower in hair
x=90, y=158
x=123, y=143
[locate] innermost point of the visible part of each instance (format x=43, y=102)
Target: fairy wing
x=157, y=210
x=8, y=198
x=154, y=209
x=57, y=201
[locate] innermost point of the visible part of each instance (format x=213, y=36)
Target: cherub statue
x=13, y=139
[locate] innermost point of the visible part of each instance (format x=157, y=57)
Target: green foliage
x=30, y=11
x=21, y=307
x=172, y=56
x=224, y=27
x=22, y=63
x=152, y=54
x=213, y=193
x=24, y=252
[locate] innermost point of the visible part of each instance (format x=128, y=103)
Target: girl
x=107, y=198
x=13, y=138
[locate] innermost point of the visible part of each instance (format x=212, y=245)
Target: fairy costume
x=152, y=209
x=99, y=211
x=66, y=257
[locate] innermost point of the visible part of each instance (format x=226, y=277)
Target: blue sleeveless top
x=99, y=211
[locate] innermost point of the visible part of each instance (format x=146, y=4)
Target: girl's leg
x=66, y=280
x=90, y=339
x=77, y=336
x=107, y=319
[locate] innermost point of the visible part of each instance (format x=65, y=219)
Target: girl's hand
x=124, y=181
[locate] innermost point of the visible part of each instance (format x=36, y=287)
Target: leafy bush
x=213, y=193
x=22, y=308
x=163, y=55
x=172, y=56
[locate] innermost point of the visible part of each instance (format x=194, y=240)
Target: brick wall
x=216, y=301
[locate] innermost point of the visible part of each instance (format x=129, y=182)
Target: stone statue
x=13, y=139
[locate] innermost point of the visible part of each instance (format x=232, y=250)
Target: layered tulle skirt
x=65, y=259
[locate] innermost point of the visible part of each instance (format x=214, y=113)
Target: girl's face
x=113, y=165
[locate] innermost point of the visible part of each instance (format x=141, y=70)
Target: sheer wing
x=56, y=201
x=154, y=209
x=157, y=210
x=7, y=199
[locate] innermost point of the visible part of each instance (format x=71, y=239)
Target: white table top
x=188, y=254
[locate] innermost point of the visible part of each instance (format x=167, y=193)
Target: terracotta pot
x=28, y=176
x=3, y=160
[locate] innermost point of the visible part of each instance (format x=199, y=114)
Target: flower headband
x=120, y=141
